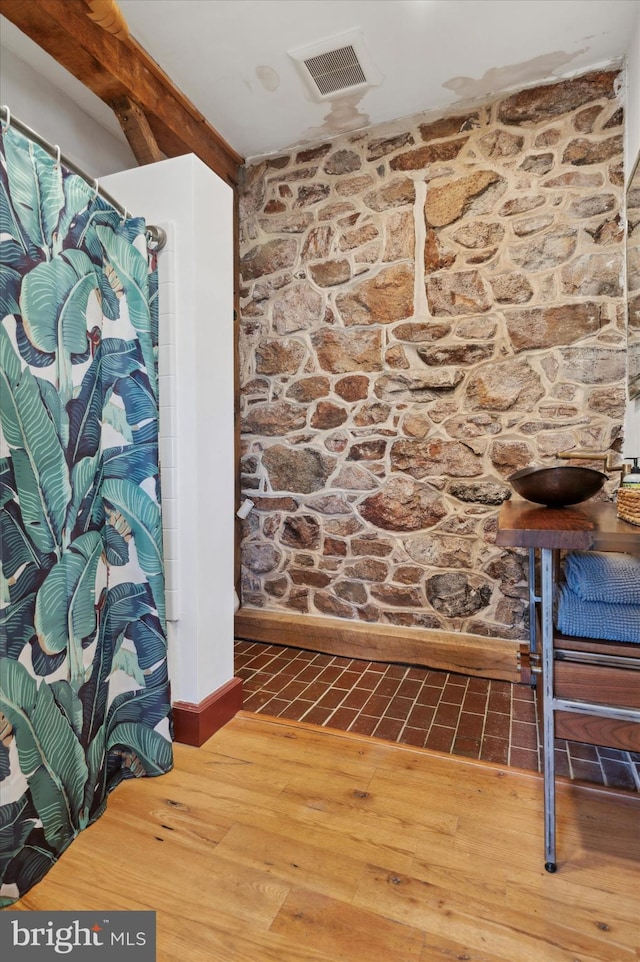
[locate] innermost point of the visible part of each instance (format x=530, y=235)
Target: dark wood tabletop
x=591, y=526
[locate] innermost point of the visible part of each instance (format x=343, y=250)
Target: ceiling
x=230, y=57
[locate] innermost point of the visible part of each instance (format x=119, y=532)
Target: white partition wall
x=196, y=411
x=632, y=109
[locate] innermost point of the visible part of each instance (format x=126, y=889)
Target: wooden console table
x=585, y=527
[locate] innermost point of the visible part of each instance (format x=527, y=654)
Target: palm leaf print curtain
x=84, y=692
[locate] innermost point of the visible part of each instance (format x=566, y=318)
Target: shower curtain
x=84, y=690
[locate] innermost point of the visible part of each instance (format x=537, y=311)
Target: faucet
x=603, y=456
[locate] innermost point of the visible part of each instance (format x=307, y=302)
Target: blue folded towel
x=597, y=619
x=604, y=576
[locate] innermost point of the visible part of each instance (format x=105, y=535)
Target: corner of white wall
x=632, y=100
x=186, y=192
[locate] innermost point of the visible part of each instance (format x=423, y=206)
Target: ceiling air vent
x=333, y=67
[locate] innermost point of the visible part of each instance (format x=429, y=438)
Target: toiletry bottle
x=631, y=480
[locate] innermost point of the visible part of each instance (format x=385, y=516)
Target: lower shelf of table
x=627, y=649
x=596, y=730
x=616, y=684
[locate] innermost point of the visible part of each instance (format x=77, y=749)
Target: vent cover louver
x=335, y=66
x=336, y=70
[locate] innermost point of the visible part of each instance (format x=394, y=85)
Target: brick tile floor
x=490, y=720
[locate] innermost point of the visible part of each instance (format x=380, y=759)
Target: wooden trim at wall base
x=443, y=650
x=193, y=724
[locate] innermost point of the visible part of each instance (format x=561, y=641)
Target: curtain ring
x=57, y=163
x=6, y=123
x=96, y=188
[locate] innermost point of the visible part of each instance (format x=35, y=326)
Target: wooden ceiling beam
x=136, y=129
x=114, y=68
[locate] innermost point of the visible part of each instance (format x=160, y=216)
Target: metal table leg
x=546, y=617
x=533, y=598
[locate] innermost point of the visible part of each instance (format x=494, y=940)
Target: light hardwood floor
x=279, y=842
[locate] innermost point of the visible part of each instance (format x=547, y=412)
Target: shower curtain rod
x=155, y=235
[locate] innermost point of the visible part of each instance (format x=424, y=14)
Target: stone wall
x=423, y=313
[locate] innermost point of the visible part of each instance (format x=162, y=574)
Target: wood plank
x=390, y=816
x=136, y=129
x=441, y=948
x=618, y=687
x=113, y=68
x=324, y=816
x=618, y=923
x=597, y=730
x=262, y=845
x=347, y=933
x=593, y=525
x=186, y=941
x=331, y=872
x=622, y=649
x=480, y=923
x=298, y=748
x=443, y=650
